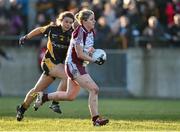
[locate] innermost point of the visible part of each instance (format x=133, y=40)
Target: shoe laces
x=100, y=118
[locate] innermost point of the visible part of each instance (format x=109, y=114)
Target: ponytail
x=83, y=15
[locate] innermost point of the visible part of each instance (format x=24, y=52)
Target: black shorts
x=47, y=65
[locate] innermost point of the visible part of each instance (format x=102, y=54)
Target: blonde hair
x=83, y=15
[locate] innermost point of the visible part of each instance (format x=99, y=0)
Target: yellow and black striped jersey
x=58, y=42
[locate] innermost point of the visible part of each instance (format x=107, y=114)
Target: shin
x=69, y=95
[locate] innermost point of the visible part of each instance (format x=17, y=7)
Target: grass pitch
x=124, y=115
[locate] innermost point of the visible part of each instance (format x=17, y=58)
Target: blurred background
x=141, y=38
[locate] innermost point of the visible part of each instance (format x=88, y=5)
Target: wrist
x=93, y=60
x=27, y=37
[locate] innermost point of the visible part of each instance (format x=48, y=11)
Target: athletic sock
x=94, y=118
x=45, y=98
x=22, y=108
x=25, y=105
x=55, y=102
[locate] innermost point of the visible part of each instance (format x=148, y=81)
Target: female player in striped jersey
x=59, y=35
x=82, y=41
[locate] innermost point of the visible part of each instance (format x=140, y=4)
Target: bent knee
x=95, y=90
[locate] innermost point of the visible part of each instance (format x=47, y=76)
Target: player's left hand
x=90, y=51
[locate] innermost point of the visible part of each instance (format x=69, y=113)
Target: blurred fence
x=154, y=73
x=136, y=72
x=17, y=76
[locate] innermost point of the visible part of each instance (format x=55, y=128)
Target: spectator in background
x=16, y=21
x=45, y=11
x=104, y=35
x=171, y=9
x=176, y=4
x=153, y=31
x=41, y=20
x=123, y=32
x=175, y=30
x=126, y=32
x=85, y=5
x=4, y=19
x=4, y=26
x=169, y=13
x=117, y=6
x=24, y=13
x=132, y=12
x=109, y=14
x=97, y=7
x=73, y=6
x=62, y=5
x=152, y=8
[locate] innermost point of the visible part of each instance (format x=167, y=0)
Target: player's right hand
x=100, y=61
x=22, y=40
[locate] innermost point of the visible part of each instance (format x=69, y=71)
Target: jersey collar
x=86, y=29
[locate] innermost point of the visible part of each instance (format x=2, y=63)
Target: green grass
x=124, y=115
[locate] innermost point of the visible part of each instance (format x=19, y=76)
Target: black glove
x=22, y=40
x=100, y=61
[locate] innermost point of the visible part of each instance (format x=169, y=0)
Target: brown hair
x=62, y=15
x=83, y=15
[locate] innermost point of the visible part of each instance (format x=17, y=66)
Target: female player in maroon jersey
x=81, y=44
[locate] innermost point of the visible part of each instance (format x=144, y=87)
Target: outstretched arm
x=34, y=32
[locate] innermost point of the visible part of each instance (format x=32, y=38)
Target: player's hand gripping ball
x=99, y=55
